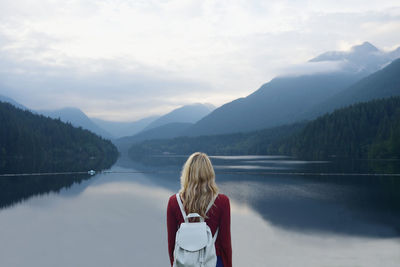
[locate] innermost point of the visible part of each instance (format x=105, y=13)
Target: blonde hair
x=198, y=185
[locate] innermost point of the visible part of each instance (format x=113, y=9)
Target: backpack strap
x=208, y=208
x=190, y=215
x=211, y=203
x=185, y=217
x=215, y=235
x=178, y=198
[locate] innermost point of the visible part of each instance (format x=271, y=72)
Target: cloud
x=312, y=68
x=152, y=56
x=100, y=87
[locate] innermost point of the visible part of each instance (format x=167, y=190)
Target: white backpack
x=194, y=243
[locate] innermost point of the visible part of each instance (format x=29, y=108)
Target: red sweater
x=218, y=216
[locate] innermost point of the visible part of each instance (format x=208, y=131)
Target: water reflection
x=290, y=162
x=248, y=157
x=248, y=167
x=118, y=219
x=15, y=189
x=347, y=205
x=110, y=222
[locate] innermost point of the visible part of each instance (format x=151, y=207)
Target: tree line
x=364, y=130
x=255, y=143
x=32, y=143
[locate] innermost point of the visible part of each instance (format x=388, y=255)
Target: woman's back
x=198, y=189
x=218, y=218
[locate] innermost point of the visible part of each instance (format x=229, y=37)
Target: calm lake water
x=282, y=215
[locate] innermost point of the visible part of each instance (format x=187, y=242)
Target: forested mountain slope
x=77, y=118
x=36, y=143
x=381, y=84
x=364, y=130
x=167, y=131
x=286, y=100
x=279, y=102
x=256, y=142
x=120, y=129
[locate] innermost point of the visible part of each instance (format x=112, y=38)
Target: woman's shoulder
x=222, y=198
x=173, y=197
x=172, y=202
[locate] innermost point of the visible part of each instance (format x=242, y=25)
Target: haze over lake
x=118, y=218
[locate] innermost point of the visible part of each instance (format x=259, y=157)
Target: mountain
x=12, y=102
x=285, y=100
x=32, y=142
x=364, y=130
x=361, y=58
x=354, y=53
x=166, y=131
x=72, y=115
x=186, y=114
x=395, y=53
x=120, y=129
x=77, y=118
x=281, y=101
x=251, y=143
x=169, y=130
x=171, y=125
x=381, y=84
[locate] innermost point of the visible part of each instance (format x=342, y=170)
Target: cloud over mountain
x=124, y=60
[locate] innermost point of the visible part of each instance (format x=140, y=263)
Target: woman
x=198, y=189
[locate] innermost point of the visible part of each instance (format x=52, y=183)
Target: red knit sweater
x=218, y=216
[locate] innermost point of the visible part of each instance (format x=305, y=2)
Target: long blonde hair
x=198, y=185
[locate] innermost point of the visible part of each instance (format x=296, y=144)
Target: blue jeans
x=219, y=262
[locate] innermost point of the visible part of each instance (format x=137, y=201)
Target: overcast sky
x=123, y=60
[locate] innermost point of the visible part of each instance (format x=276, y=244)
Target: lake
x=285, y=212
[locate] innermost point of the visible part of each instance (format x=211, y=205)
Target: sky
x=124, y=60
